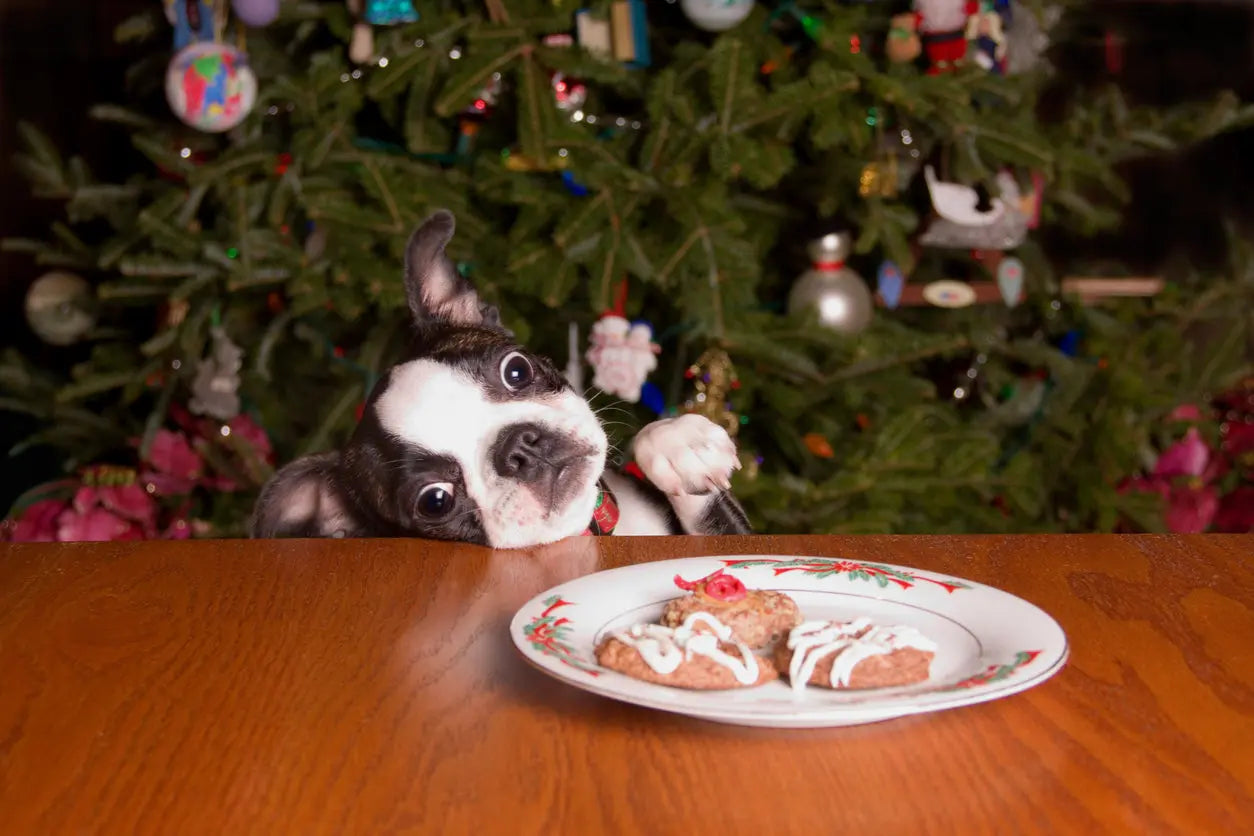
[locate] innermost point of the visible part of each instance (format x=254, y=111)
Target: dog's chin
x=526, y=519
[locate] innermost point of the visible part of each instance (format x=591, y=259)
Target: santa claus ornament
x=943, y=31
x=622, y=355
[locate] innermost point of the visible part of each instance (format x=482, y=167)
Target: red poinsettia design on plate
x=550, y=635
x=823, y=567
x=995, y=673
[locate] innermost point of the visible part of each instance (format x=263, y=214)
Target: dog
x=475, y=439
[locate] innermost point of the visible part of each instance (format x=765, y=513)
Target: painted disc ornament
x=211, y=86
x=716, y=15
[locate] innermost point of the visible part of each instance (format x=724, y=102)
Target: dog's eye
x=516, y=371
x=436, y=501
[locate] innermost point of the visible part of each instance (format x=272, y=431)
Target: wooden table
x=371, y=687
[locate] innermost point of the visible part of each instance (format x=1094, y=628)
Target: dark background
x=58, y=58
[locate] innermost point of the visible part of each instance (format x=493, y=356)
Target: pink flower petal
x=1191, y=510
x=1187, y=457
x=96, y=525
x=248, y=429
x=37, y=524
x=86, y=498
x=171, y=453
x=1186, y=412
x=131, y=502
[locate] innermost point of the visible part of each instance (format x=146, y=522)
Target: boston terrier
x=474, y=438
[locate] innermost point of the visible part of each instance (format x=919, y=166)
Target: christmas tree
x=937, y=369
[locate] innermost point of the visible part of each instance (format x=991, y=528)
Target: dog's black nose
x=524, y=451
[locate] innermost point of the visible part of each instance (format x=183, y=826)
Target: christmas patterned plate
x=991, y=644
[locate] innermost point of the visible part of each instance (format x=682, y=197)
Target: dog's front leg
x=691, y=459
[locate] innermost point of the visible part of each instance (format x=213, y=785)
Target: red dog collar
x=605, y=515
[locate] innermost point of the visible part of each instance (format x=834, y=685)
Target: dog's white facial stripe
x=447, y=412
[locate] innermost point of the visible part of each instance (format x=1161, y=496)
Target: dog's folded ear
x=304, y=499
x=436, y=291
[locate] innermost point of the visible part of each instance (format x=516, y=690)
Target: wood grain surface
x=371, y=687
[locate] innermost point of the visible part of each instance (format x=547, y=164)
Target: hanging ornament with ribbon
x=838, y=294
x=714, y=378
x=209, y=83
x=622, y=353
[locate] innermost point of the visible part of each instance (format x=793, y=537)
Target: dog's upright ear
x=304, y=499
x=436, y=291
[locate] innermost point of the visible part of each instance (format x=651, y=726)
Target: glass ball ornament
x=256, y=12
x=60, y=308
x=716, y=15
x=838, y=294
x=211, y=86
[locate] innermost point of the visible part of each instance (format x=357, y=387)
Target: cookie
x=756, y=617
x=854, y=655
x=700, y=654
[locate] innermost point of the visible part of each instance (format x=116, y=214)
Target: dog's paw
x=689, y=454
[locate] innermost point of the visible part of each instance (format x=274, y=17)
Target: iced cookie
x=756, y=617
x=854, y=654
x=699, y=654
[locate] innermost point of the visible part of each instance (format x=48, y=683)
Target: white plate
x=991, y=643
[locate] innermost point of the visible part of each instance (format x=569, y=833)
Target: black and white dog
x=478, y=440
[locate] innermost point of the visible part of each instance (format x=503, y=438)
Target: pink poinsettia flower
x=1236, y=511
x=1191, y=509
x=246, y=428
x=176, y=466
x=130, y=502
x=38, y=523
x=1187, y=457
x=1186, y=412
x=1183, y=476
x=95, y=524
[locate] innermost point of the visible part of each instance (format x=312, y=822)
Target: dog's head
x=473, y=438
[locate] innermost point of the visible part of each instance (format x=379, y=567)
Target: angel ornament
x=215, y=389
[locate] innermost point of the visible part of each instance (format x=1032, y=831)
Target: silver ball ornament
x=60, y=308
x=839, y=295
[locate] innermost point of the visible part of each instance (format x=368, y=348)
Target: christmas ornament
x=192, y=20
x=1027, y=36
x=389, y=12
x=949, y=293
x=962, y=225
x=629, y=33
x=960, y=204
x=715, y=379
x=839, y=295
x=890, y=283
x=818, y=445
x=256, y=12
x=942, y=24
x=1010, y=280
x=60, y=308
x=986, y=33
x=574, y=367
x=568, y=95
x=621, y=356
x=716, y=15
x=210, y=86
x=215, y=389
x=879, y=179
x=903, y=42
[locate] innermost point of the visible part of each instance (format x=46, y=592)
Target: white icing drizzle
x=813, y=641
x=664, y=648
